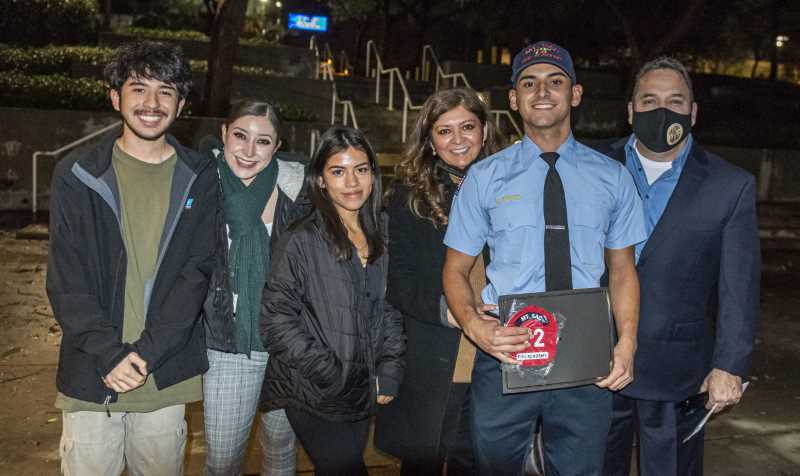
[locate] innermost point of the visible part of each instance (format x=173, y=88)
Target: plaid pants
x=231, y=389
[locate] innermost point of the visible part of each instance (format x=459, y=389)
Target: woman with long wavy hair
x=428, y=424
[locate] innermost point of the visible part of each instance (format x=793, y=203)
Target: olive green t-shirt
x=144, y=190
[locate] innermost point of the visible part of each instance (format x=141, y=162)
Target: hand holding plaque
x=570, y=342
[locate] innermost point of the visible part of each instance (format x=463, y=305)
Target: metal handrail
x=314, y=139
x=426, y=70
x=504, y=112
x=344, y=63
x=426, y=66
x=312, y=45
x=60, y=150
x=327, y=70
x=392, y=73
x=348, y=112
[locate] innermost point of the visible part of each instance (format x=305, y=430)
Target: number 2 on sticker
x=538, y=335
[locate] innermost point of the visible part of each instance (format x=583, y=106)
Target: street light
x=278, y=4
x=781, y=40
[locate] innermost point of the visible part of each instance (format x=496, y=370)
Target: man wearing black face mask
x=699, y=272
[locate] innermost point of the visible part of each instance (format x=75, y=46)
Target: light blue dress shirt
x=500, y=203
x=654, y=196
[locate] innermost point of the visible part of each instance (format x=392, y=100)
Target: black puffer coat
x=328, y=340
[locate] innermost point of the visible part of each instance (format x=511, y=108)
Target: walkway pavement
x=761, y=436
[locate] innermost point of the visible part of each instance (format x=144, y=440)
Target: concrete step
x=361, y=90
x=384, y=128
x=779, y=225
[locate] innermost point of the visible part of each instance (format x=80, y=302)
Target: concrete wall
x=25, y=131
x=295, y=62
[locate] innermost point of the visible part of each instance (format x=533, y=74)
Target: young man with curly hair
x=131, y=247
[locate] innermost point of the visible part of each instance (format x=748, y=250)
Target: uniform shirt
x=654, y=196
x=500, y=203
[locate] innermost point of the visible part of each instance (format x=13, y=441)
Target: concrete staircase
x=382, y=127
x=361, y=90
x=779, y=230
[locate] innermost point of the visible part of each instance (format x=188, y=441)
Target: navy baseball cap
x=543, y=52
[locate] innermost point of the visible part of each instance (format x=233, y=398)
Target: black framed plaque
x=572, y=338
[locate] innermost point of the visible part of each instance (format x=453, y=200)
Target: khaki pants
x=150, y=444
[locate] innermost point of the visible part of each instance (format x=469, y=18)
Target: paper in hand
x=703, y=422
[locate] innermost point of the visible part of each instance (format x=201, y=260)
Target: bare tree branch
x=686, y=22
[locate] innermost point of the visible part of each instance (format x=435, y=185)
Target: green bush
x=175, y=15
x=294, y=113
x=162, y=34
x=38, y=22
x=51, y=59
x=56, y=91
x=53, y=91
x=201, y=66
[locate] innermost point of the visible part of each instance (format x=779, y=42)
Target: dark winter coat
x=700, y=279
x=329, y=341
x=86, y=273
x=411, y=426
x=218, y=309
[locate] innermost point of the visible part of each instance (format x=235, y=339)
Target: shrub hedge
x=52, y=91
x=54, y=59
x=164, y=34
x=57, y=91
x=51, y=59
x=38, y=22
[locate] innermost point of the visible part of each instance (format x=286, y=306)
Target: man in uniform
x=131, y=248
x=555, y=215
x=699, y=272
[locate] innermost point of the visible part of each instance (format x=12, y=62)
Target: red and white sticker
x=543, y=344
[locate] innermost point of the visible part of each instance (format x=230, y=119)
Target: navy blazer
x=700, y=277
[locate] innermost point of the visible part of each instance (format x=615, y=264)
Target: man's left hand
x=385, y=399
x=724, y=389
x=621, y=368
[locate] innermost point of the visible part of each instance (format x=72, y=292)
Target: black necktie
x=557, y=263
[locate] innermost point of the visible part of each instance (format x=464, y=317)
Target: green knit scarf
x=249, y=254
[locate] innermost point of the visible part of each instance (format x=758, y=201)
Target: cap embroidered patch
x=543, y=343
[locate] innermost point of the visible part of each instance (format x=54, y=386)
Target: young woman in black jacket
x=335, y=345
x=428, y=424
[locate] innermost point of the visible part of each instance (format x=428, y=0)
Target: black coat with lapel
x=411, y=426
x=700, y=277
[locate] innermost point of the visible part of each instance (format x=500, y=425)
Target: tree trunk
x=756, y=59
x=228, y=24
x=106, y=15
x=641, y=51
x=773, y=34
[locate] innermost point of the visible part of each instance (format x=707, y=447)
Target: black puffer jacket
x=326, y=351
x=292, y=204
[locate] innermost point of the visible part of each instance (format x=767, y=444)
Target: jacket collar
x=694, y=172
x=97, y=160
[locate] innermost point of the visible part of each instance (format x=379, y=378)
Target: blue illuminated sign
x=298, y=21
